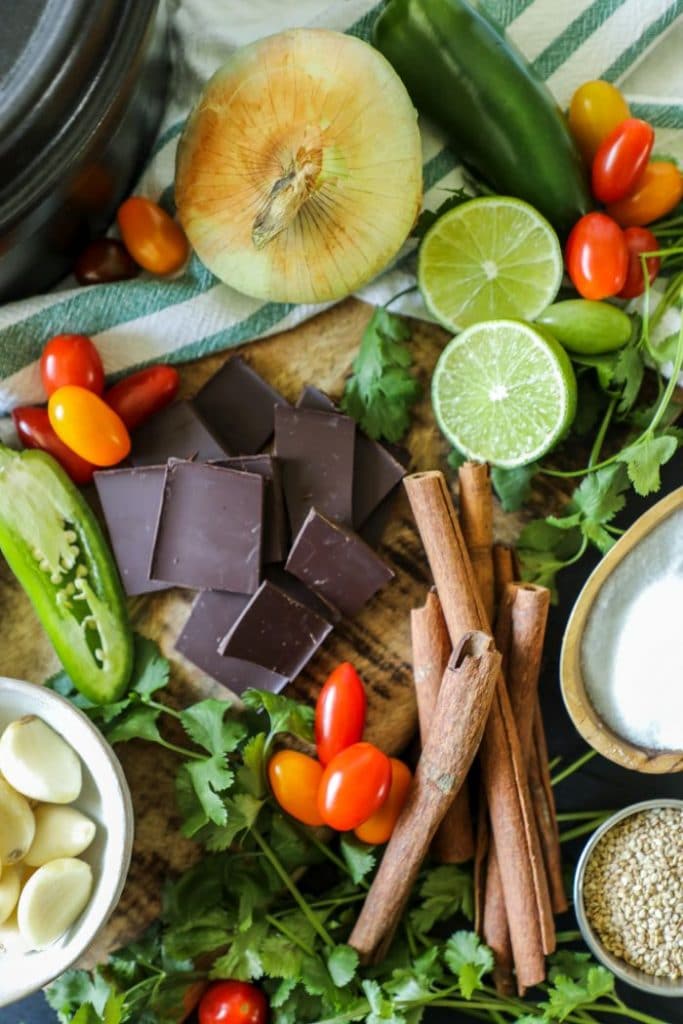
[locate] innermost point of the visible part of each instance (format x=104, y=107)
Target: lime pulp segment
x=503, y=392
x=489, y=258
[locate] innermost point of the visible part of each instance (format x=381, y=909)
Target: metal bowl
x=105, y=798
x=631, y=975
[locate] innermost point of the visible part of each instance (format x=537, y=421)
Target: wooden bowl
x=588, y=722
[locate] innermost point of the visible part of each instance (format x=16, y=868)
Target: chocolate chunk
x=316, y=449
x=337, y=564
x=300, y=592
x=238, y=405
x=372, y=530
x=131, y=499
x=376, y=471
x=276, y=631
x=210, y=527
x=176, y=432
x=275, y=534
x=212, y=615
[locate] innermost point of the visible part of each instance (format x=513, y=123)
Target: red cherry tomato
x=295, y=779
x=35, y=431
x=596, y=256
x=89, y=427
x=639, y=240
x=354, y=785
x=657, y=192
x=379, y=827
x=595, y=110
x=233, y=1002
x=621, y=159
x=339, y=712
x=143, y=394
x=153, y=239
x=71, y=359
x=103, y=261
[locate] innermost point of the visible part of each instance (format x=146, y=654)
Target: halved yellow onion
x=299, y=172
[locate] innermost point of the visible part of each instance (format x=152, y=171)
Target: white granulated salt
x=632, y=647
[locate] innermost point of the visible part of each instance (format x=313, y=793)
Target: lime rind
x=504, y=392
x=489, y=258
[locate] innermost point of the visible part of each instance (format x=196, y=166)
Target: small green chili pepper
x=55, y=548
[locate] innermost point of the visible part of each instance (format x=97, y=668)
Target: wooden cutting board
x=377, y=641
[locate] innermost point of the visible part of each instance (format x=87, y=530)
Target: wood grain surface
x=377, y=641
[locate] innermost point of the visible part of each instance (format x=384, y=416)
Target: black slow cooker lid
x=63, y=65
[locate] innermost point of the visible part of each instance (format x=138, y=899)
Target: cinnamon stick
x=494, y=926
x=454, y=841
x=543, y=799
x=476, y=521
x=514, y=827
x=503, y=569
x=463, y=704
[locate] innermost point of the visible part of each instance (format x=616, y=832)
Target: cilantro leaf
x=241, y=811
x=285, y=714
x=468, y=960
x=204, y=723
x=513, y=486
x=209, y=778
x=645, y=459
x=382, y=1010
x=445, y=891
x=137, y=723
x=381, y=391
x=628, y=371
x=358, y=857
x=243, y=959
x=568, y=994
x=74, y=989
x=342, y=963
x=151, y=670
x=600, y=495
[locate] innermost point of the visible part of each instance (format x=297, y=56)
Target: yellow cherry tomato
x=658, y=190
x=595, y=110
x=379, y=827
x=295, y=779
x=153, y=239
x=88, y=426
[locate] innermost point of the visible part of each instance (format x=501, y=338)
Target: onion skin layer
x=299, y=173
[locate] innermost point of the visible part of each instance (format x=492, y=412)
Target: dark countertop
x=600, y=784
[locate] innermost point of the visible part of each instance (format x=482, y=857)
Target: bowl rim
x=60, y=958
x=588, y=723
x=625, y=972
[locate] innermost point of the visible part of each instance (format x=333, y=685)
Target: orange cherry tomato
x=339, y=712
x=153, y=239
x=596, y=256
x=71, y=359
x=658, y=190
x=595, y=110
x=621, y=159
x=379, y=827
x=295, y=779
x=88, y=426
x=354, y=785
x=639, y=240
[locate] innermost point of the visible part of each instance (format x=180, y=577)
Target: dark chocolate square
x=238, y=404
x=375, y=469
x=317, y=450
x=131, y=499
x=276, y=631
x=212, y=614
x=210, y=528
x=337, y=564
x=177, y=432
x=277, y=575
x=275, y=533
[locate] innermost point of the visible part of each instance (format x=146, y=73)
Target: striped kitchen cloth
x=636, y=43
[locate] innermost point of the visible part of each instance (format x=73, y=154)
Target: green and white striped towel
x=636, y=43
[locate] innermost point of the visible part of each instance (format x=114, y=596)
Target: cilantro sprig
x=274, y=902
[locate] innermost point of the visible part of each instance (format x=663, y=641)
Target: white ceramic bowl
x=105, y=798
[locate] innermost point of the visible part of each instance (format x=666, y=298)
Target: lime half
x=488, y=258
x=504, y=392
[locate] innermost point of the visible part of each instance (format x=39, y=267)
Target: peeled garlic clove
x=39, y=763
x=10, y=886
x=17, y=825
x=52, y=899
x=11, y=941
x=60, y=832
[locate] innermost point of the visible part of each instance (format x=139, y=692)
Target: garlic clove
x=60, y=832
x=52, y=899
x=10, y=886
x=39, y=763
x=11, y=942
x=17, y=824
